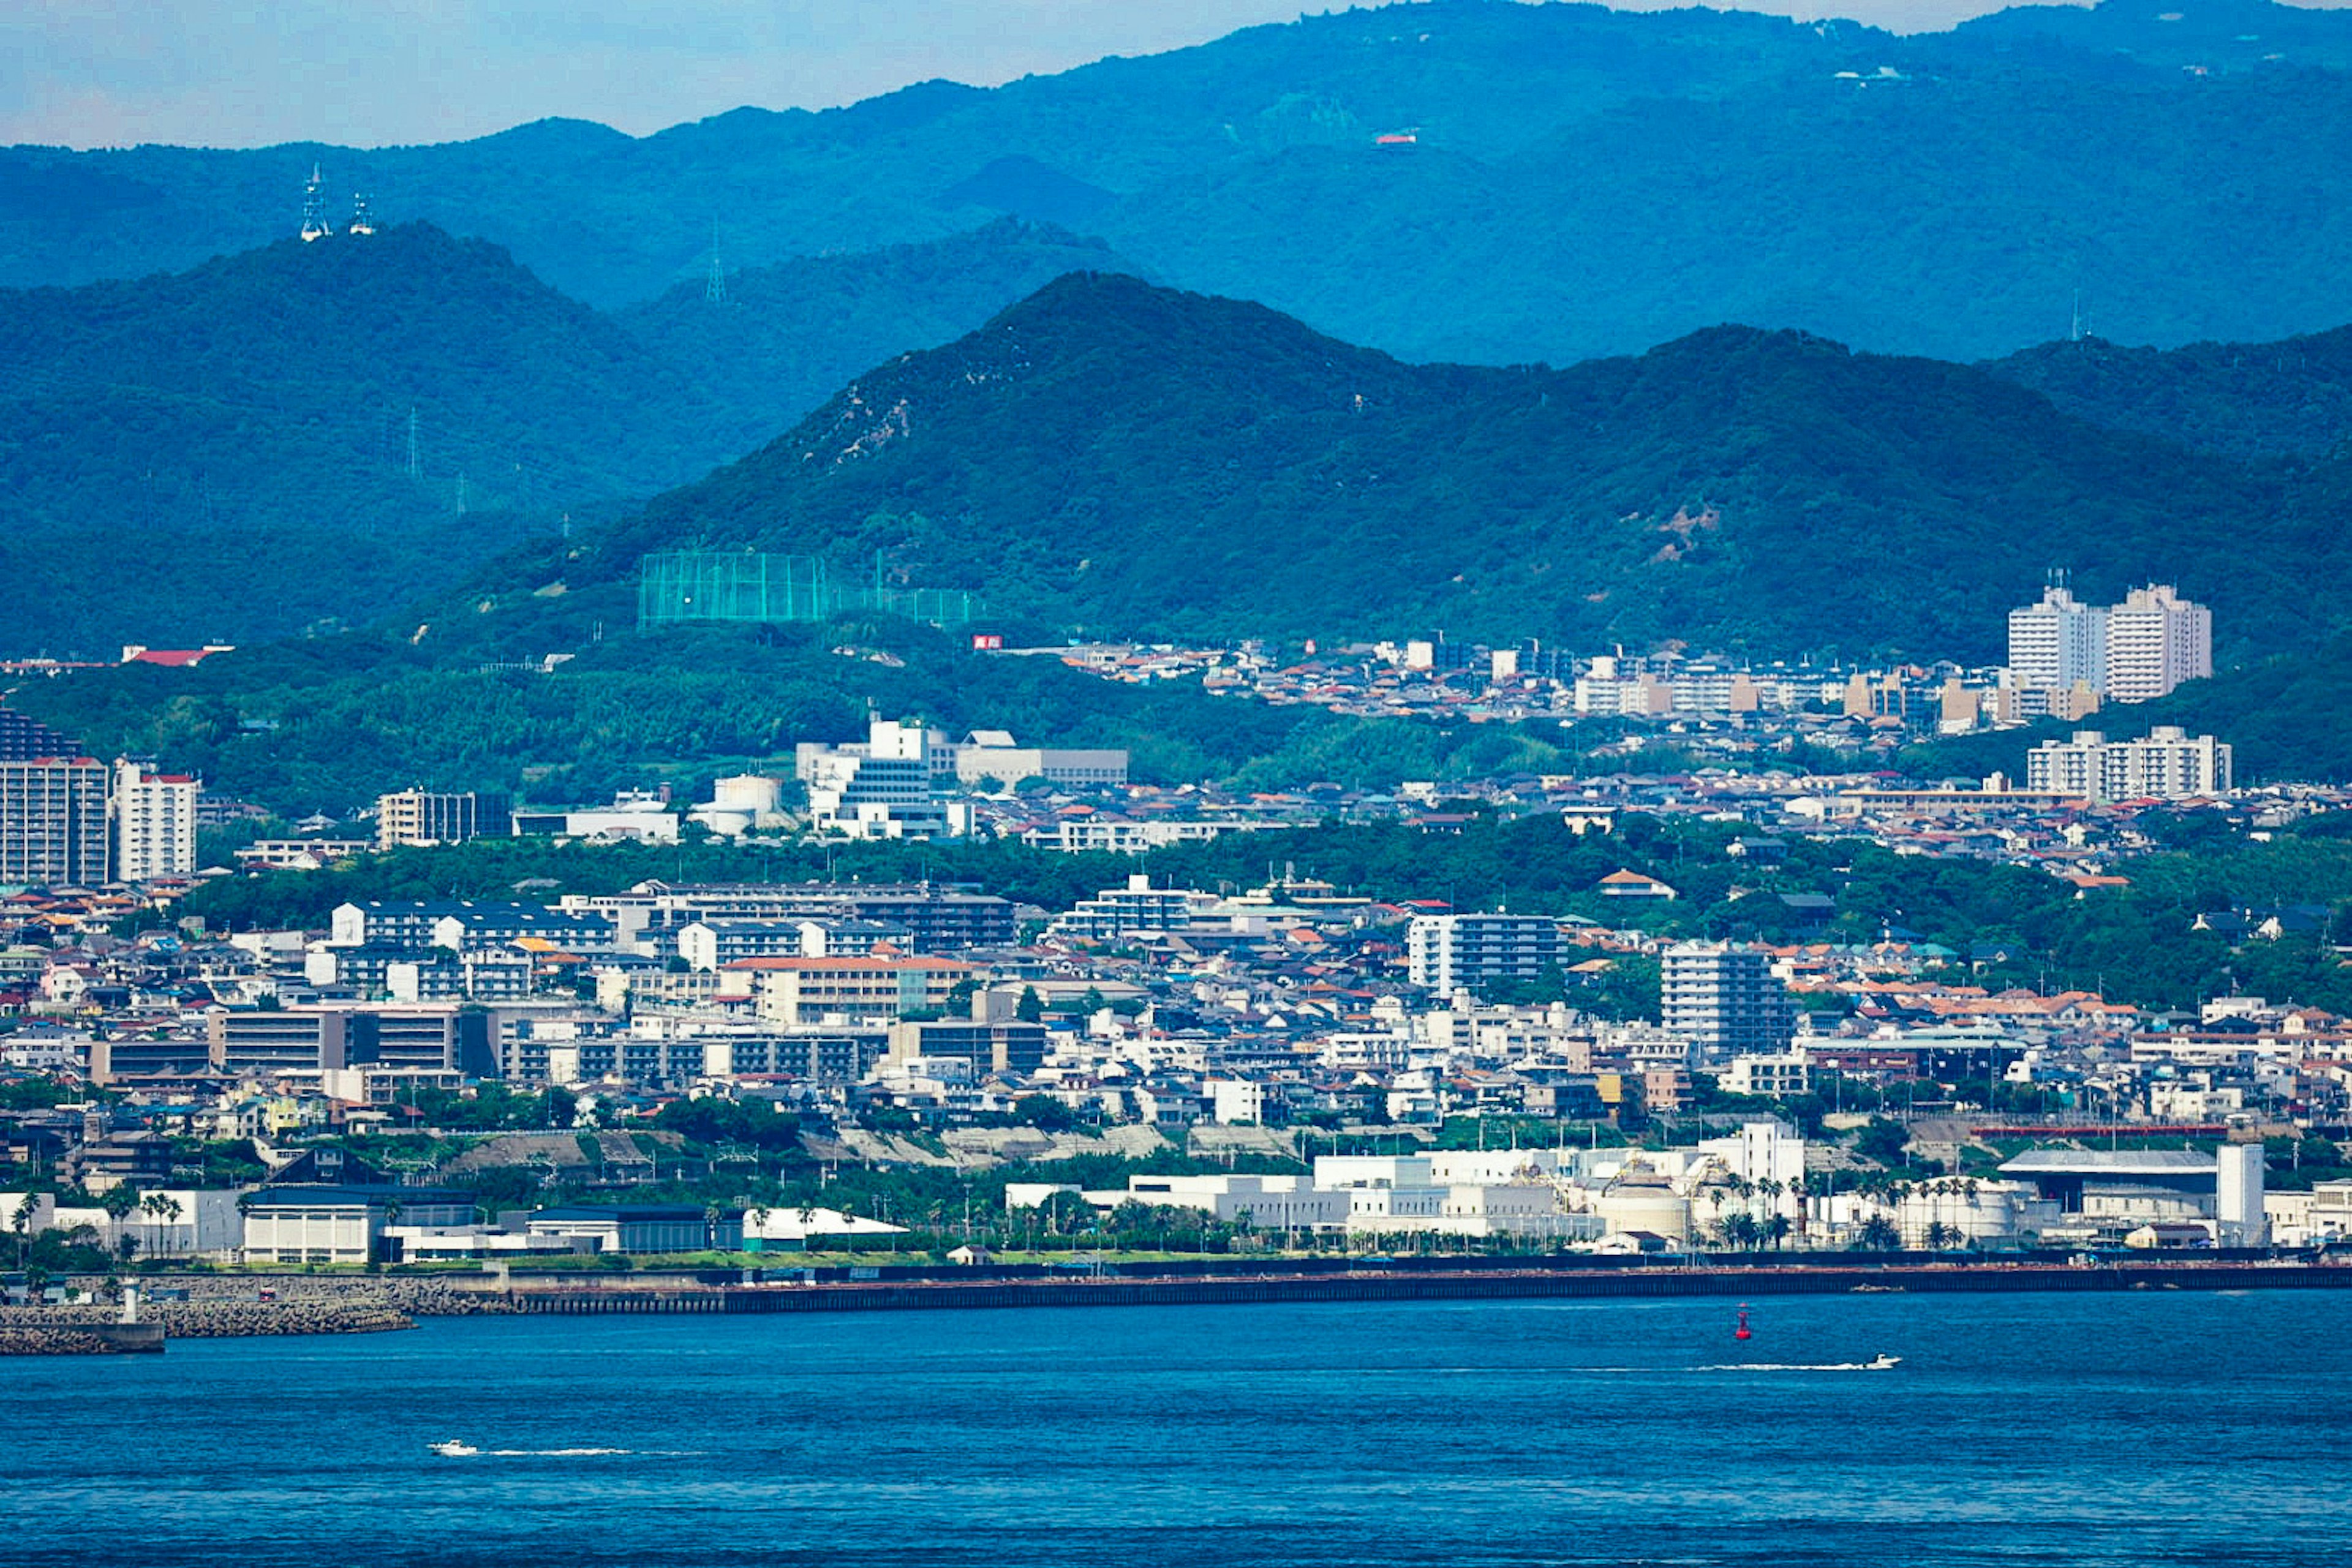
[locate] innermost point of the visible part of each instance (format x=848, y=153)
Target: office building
x=154, y=824
x=417, y=819
x=1726, y=1000
x=53, y=822
x=899, y=784
x=987, y=754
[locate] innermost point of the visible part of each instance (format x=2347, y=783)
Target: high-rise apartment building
x=1726, y=1000
x=22, y=740
x=2059, y=642
x=418, y=818
x=2130, y=652
x=53, y=822
x=154, y=824
x=2156, y=640
x=1464, y=952
x=2167, y=764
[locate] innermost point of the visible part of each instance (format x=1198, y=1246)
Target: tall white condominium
x=1463, y=952
x=1726, y=1000
x=2169, y=764
x=2059, y=642
x=154, y=824
x=2156, y=640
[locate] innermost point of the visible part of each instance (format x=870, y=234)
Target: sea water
x=2153, y=1428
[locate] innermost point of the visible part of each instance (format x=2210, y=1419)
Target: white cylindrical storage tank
x=1658, y=1210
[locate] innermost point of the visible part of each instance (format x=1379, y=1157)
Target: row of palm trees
x=121, y=1201
x=1752, y=1231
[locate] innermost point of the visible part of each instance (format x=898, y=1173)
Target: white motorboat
x=1882, y=1361
x=454, y=1449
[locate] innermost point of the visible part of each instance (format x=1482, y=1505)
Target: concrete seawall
x=949, y=1295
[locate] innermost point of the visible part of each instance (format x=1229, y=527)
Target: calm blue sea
x=2153, y=1429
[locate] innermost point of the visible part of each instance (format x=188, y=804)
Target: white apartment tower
x=1448, y=954
x=154, y=824
x=2130, y=652
x=2156, y=640
x=1726, y=1000
x=2058, y=643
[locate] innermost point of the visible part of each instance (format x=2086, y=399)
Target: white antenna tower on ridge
x=314, y=208
x=361, y=222
x=715, y=291
x=2082, y=326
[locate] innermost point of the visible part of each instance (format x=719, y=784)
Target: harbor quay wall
x=1485, y=1284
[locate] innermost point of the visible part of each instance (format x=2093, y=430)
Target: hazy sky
x=366, y=72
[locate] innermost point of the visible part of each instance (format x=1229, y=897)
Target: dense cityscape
x=1634, y=1083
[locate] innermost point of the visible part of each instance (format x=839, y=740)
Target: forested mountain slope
x=1116, y=457
x=366, y=417
x=783, y=339
x=226, y=453
x=2293, y=396
x=1582, y=182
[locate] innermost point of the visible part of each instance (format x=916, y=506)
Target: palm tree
x=160, y=1207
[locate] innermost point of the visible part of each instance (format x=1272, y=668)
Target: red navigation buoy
x=1741, y=1332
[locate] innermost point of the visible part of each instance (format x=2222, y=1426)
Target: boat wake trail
x=1796, y=1366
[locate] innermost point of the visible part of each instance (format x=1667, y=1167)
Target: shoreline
x=333, y=1306
x=1240, y=1290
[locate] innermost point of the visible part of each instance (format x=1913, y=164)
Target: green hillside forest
x=1113, y=458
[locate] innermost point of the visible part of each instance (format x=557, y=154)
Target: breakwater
x=89, y=1338
x=949, y=1294
x=424, y=1296
x=213, y=1307
x=97, y=1329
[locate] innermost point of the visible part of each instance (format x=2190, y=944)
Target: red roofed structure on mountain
x=173, y=657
